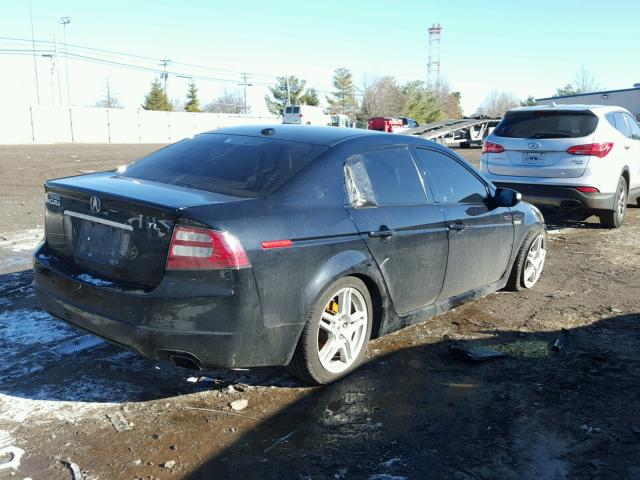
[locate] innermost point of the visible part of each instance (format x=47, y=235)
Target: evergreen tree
x=310, y=97
x=193, y=103
x=157, y=99
x=421, y=104
x=529, y=102
x=343, y=100
x=287, y=91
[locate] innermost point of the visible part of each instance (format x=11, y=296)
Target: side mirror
x=505, y=197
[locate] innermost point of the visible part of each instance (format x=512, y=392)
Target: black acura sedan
x=286, y=245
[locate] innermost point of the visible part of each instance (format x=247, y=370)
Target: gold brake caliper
x=332, y=308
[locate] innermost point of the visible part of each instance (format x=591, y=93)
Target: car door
x=633, y=152
x=480, y=234
x=405, y=233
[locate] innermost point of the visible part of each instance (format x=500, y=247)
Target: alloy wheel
x=621, y=202
x=342, y=330
x=534, y=262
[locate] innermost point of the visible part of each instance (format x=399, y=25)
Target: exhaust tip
x=184, y=361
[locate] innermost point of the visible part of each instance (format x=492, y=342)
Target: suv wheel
x=335, y=337
x=615, y=218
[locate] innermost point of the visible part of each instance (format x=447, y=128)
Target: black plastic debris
x=560, y=342
x=476, y=354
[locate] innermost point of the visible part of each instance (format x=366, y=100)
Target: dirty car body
x=123, y=253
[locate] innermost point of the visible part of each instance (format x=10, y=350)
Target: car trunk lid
x=118, y=228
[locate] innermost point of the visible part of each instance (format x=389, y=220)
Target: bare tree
x=228, y=102
x=381, y=96
x=449, y=101
x=585, y=82
x=109, y=100
x=497, y=103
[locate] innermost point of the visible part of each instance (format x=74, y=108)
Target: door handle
x=384, y=232
x=627, y=147
x=459, y=226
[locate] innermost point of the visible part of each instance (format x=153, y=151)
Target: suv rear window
x=547, y=124
x=228, y=164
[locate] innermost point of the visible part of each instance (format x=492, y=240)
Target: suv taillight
x=201, y=248
x=490, y=147
x=594, y=149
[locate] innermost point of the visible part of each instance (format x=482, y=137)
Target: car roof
x=570, y=107
x=326, y=136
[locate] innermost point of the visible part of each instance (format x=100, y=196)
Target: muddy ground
x=413, y=411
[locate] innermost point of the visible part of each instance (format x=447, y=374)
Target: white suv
x=569, y=156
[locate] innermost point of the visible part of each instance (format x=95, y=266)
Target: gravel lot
x=413, y=411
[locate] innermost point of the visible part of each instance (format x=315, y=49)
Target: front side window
x=450, y=181
x=385, y=176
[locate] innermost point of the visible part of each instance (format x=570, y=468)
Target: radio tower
x=433, y=67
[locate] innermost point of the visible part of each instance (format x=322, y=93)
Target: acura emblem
x=534, y=145
x=94, y=203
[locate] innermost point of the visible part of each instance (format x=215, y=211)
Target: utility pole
x=53, y=67
x=65, y=20
x=288, y=91
x=55, y=47
x=245, y=85
x=35, y=64
x=163, y=63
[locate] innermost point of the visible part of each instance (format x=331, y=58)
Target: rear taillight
x=588, y=189
x=594, y=149
x=490, y=147
x=201, y=248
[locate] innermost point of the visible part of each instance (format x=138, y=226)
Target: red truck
x=391, y=124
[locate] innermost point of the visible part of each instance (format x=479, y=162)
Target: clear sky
x=526, y=48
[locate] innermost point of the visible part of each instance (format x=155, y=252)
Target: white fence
x=111, y=125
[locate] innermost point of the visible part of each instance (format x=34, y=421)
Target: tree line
x=381, y=96
x=376, y=96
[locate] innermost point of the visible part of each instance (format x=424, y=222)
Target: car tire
x=312, y=360
x=465, y=145
x=522, y=277
x=615, y=218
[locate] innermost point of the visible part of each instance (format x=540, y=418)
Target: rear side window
x=381, y=177
x=228, y=164
x=621, y=124
x=633, y=125
x=287, y=110
x=296, y=109
x=450, y=181
x=546, y=124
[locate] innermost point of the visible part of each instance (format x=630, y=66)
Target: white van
x=341, y=121
x=305, y=115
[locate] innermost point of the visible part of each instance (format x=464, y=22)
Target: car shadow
x=423, y=412
x=561, y=219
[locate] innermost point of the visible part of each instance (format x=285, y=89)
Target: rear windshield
x=546, y=124
x=228, y=164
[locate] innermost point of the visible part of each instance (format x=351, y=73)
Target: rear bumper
x=560, y=196
x=217, y=322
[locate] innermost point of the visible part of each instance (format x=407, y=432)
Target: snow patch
x=80, y=344
x=98, y=282
x=29, y=327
